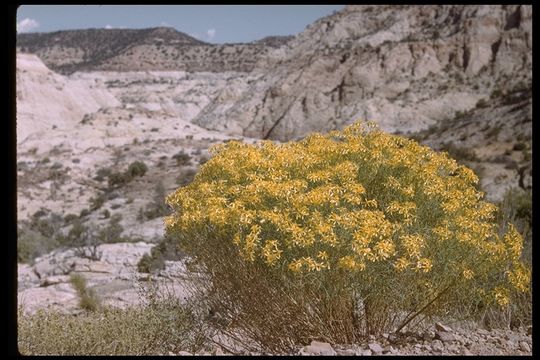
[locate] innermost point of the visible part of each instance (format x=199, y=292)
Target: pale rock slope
x=47, y=100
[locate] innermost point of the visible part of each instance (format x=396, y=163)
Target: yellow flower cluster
x=360, y=200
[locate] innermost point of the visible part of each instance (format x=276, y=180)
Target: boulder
x=375, y=348
x=318, y=348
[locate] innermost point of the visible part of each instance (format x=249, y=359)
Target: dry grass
x=160, y=326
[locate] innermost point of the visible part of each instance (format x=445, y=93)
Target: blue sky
x=211, y=23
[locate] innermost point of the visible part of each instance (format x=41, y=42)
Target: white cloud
x=164, y=23
x=26, y=25
x=210, y=33
x=195, y=35
x=108, y=27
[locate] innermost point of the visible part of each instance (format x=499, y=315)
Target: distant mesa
x=159, y=48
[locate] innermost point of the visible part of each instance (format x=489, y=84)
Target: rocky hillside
x=92, y=103
x=405, y=67
x=159, y=48
x=408, y=68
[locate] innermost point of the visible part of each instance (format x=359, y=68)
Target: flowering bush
x=360, y=219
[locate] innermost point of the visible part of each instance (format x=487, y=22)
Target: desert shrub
x=460, y=153
x=157, y=207
x=31, y=244
x=83, y=240
x=88, y=299
x=182, y=158
x=137, y=168
x=339, y=236
x=166, y=249
x=150, y=263
x=112, y=232
x=185, y=177
x=104, y=172
x=106, y=214
x=516, y=208
x=119, y=179
x=160, y=326
x=84, y=213
x=97, y=202
x=69, y=218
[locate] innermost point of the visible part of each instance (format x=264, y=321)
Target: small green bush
x=158, y=207
x=104, y=172
x=112, y=232
x=137, y=168
x=151, y=263
x=459, y=153
x=97, y=202
x=182, y=158
x=119, y=179
x=88, y=300
x=31, y=244
x=167, y=249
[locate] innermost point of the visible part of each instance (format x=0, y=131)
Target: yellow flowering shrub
x=398, y=225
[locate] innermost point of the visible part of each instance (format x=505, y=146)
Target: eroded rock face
x=403, y=67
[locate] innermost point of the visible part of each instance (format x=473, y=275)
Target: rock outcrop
x=113, y=277
x=405, y=67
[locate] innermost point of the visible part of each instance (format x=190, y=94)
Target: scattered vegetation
x=106, y=214
x=203, y=160
x=137, y=168
x=31, y=244
x=102, y=173
x=340, y=236
x=185, y=177
x=482, y=103
x=167, y=249
x=97, y=202
x=494, y=131
x=157, y=207
x=163, y=324
x=88, y=299
x=38, y=236
x=182, y=159
x=460, y=153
